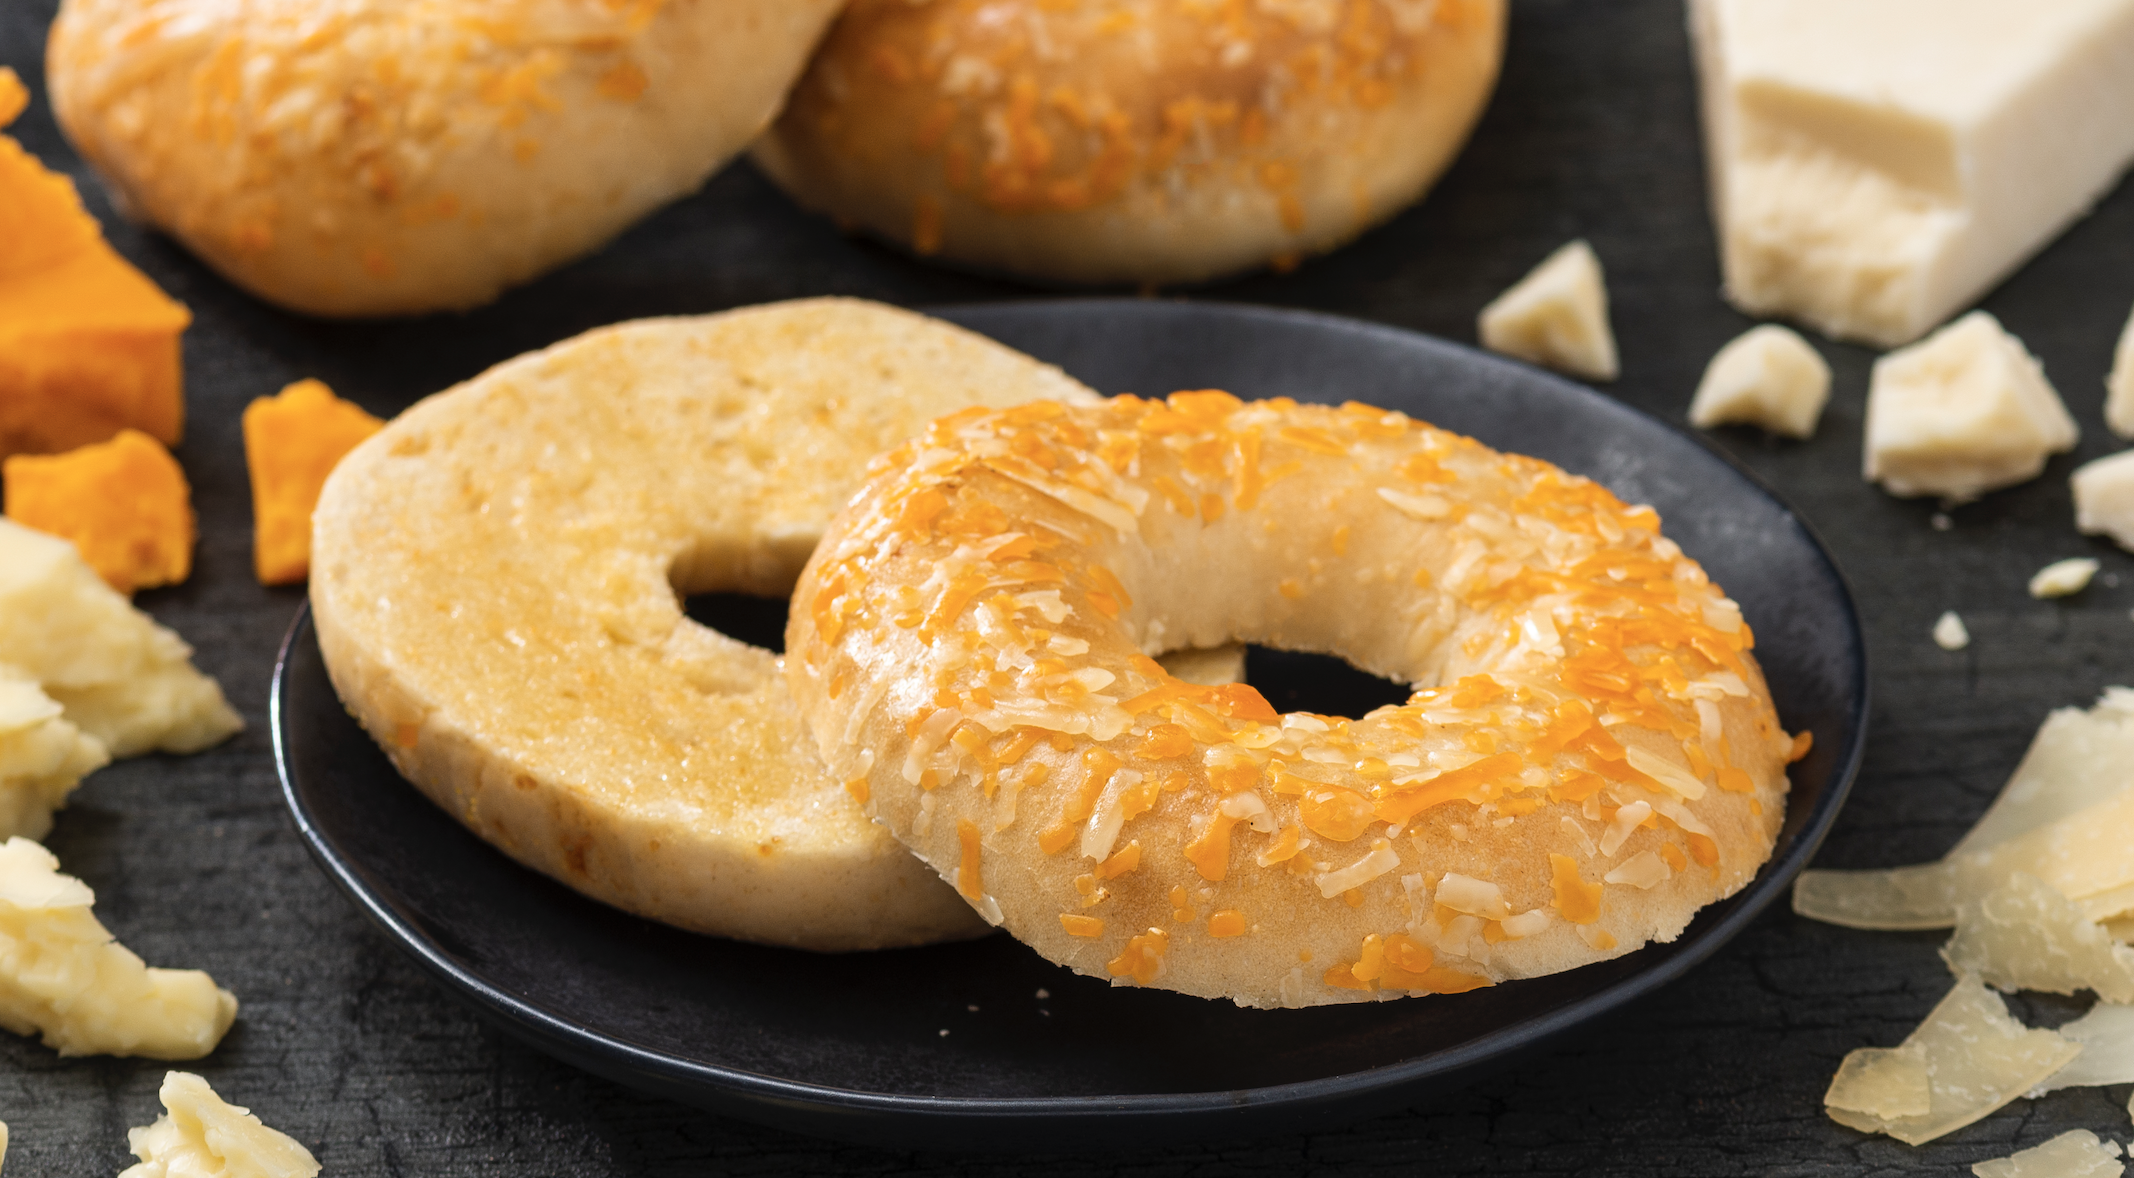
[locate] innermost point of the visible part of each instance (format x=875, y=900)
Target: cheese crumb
x=1768, y=377
x=200, y=1134
x=120, y=677
x=62, y=974
x=2063, y=577
x=1950, y=633
x=2119, y=387
x=2076, y=1153
x=42, y=757
x=1556, y=316
x=1975, y=1057
x=2104, y=498
x=1965, y=411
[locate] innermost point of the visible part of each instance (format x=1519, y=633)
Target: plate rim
x=790, y=1103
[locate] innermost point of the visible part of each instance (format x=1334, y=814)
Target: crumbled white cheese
x=2063, y=577
x=2119, y=387
x=1877, y=167
x=63, y=975
x=2076, y=1153
x=1556, y=316
x=2104, y=498
x=122, y=678
x=1950, y=633
x=1964, y=411
x=1768, y=377
x=42, y=757
x=201, y=1136
x=1976, y=1059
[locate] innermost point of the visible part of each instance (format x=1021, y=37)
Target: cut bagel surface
x=497, y=580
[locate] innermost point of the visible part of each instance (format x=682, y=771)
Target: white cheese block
x=1962, y=412
x=42, y=756
x=63, y=975
x=1877, y=165
x=2104, y=498
x=1769, y=377
x=1556, y=316
x=122, y=678
x=199, y=1134
x=2119, y=386
x=2077, y=1153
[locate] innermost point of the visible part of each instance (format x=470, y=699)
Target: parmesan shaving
x=1976, y=1059
x=2082, y=855
x=2106, y=1034
x=1882, y=1082
x=2076, y=1153
x=2078, y=758
x=1381, y=860
x=1472, y=896
x=2026, y=936
x=1673, y=777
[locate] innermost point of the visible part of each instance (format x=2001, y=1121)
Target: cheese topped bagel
x=385, y=157
x=1123, y=141
x=1591, y=755
x=495, y=581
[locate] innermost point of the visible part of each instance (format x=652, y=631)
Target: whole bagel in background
x=495, y=581
x=1145, y=141
x=389, y=157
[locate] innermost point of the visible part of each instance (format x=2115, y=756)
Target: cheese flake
x=1976, y=1059
x=2024, y=935
x=2077, y=1153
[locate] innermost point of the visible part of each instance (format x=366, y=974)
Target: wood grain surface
x=345, y=1045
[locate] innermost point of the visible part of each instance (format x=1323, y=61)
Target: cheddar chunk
x=88, y=345
x=123, y=503
x=292, y=441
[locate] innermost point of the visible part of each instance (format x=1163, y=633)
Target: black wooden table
x=344, y=1044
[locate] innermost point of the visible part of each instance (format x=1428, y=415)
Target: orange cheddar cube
x=88, y=345
x=124, y=503
x=292, y=441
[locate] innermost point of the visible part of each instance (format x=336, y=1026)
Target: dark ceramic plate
x=983, y=1045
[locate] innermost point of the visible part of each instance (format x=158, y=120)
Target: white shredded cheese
x=1642, y=870
x=1476, y=897
x=1381, y=860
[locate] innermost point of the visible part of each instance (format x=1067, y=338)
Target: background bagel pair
x=383, y=157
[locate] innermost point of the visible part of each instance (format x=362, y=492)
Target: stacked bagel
x=976, y=622
x=380, y=157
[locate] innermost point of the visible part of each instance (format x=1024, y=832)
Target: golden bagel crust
x=1105, y=141
x=380, y=157
x=494, y=580
x=1592, y=755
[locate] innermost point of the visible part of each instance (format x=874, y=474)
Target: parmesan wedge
x=199, y=1135
x=2076, y=1153
x=1976, y=1059
x=2025, y=936
x=2106, y=1034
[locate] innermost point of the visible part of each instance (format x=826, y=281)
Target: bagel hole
x=758, y=621
x=1298, y=681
